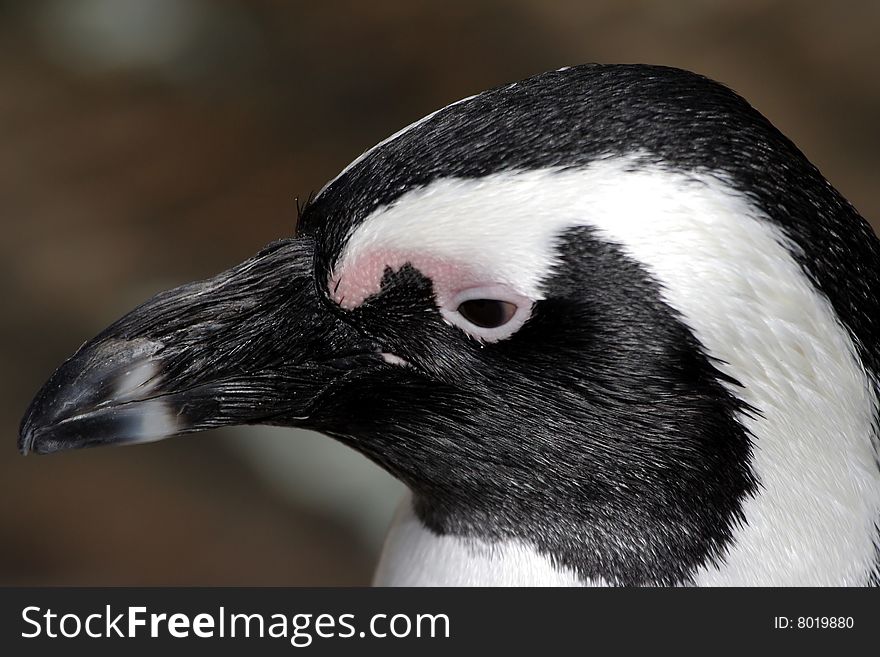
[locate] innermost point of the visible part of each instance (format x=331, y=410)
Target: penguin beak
x=252, y=345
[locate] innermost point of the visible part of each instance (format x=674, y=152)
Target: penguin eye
x=488, y=313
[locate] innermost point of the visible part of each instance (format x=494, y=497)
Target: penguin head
x=530, y=306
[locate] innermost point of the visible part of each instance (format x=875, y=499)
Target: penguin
x=608, y=325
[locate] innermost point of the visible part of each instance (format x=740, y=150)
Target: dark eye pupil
x=487, y=313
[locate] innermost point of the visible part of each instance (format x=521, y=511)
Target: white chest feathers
x=415, y=556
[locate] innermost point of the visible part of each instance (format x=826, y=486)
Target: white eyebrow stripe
x=730, y=274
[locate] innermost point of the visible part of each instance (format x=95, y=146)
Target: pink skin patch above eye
x=361, y=277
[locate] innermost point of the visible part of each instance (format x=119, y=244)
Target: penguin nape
x=607, y=324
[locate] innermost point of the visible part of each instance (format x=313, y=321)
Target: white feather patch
x=729, y=273
x=414, y=556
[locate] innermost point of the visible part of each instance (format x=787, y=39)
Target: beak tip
x=27, y=432
x=45, y=440
x=30, y=440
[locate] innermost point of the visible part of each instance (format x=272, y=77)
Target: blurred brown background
x=146, y=143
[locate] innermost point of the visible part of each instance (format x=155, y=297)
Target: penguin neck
x=414, y=555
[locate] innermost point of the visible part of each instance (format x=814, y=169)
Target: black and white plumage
x=607, y=324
